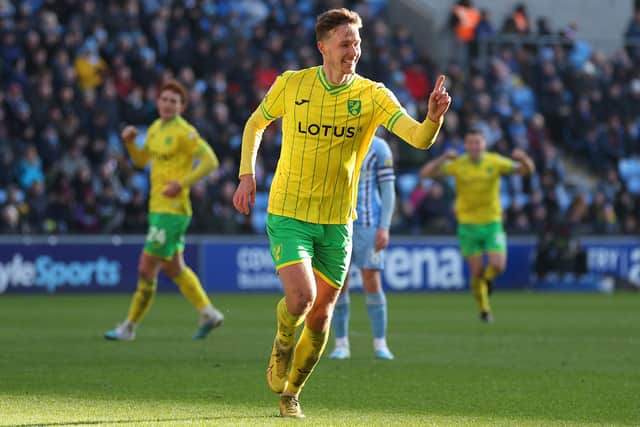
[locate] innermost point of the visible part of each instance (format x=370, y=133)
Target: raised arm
x=139, y=156
x=423, y=135
x=524, y=165
x=433, y=168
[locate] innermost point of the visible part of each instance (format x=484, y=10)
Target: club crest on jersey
x=354, y=106
x=168, y=140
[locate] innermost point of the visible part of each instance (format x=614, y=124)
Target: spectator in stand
x=45, y=101
x=485, y=28
x=578, y=215
x=90, y=67
x=632, y=35
x=518, y=21
x=464, y=19
x=29, y=169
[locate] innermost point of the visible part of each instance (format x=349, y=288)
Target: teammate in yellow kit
x=329, y=116
x=478, y=210
x=171, y=147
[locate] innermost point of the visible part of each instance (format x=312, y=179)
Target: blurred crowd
x=75, y=71
x=556, y=98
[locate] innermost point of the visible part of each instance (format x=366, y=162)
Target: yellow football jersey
x=326, y=133
x=171, y=148
x=478, y=187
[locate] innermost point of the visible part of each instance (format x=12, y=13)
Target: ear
x=320, y=47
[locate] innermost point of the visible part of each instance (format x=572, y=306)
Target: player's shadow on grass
x=149, y=420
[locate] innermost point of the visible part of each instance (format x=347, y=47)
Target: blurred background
x=562, y=85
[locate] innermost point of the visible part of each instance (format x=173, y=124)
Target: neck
x=168, y=119
x=336, y=78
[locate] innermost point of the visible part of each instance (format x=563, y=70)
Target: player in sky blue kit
x=376, y=199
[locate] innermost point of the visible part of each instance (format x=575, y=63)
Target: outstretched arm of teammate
x=423, y=135
x=139, y=156
x=433, y=168
x=524, y=165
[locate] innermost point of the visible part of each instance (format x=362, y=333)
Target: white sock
x=342, y=343
x=380, y=344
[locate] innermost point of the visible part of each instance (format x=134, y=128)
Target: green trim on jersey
x=326, y=133
x=265, y=113
x=333, y=90
x=477, y=239
x=392, y=121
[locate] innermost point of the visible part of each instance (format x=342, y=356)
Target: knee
x=300, y=304
x=477, y=273
x=147, y=287
x=498, y=267
x=147, y=273
x=319, y=319
x=171, y=271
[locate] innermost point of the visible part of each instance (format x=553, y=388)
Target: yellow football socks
x=490, y=273
x=305, y=357
x=287, y=324
x=480, y=292
x=142, y=299
x=191, y=288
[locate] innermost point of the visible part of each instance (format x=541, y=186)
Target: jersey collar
x=333, y=90
x=169, y=122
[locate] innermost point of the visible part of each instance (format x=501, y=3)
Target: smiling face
x=340, y=50
x=169, y=104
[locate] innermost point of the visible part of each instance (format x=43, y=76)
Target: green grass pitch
x=549, y=360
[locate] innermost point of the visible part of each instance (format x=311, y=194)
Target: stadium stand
x=73, y=72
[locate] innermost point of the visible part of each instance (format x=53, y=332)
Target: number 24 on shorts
x=157, y=235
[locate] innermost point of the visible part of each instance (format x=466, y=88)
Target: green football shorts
x=477, y=239
x=327, y=245
x=166, y=232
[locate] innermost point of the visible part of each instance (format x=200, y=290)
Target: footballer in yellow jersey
x=329, y=116
x=326, y=132
x=171, y=147
x=477, y=206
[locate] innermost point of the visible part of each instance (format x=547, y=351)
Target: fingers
x=241, y=202
x=439, y=83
